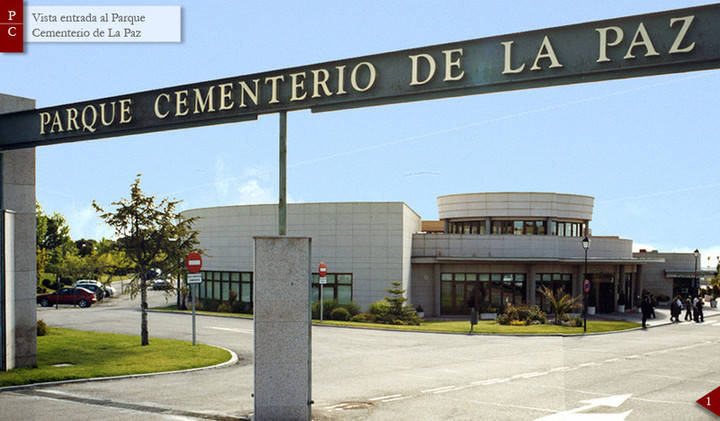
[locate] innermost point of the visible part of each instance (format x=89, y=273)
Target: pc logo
x=11, y=26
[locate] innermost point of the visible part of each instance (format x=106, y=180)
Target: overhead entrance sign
x=666, y=42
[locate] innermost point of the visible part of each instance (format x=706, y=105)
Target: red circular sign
x=586, y=286
x=193, y=262
x=322, y=270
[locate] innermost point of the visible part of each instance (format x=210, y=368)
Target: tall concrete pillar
x=17, y=193
x=436, y=289
x=282, y=342
x=531, y=285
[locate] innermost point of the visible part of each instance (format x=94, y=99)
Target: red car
x=76, y=296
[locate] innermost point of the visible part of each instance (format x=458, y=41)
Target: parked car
x=110, y=291
x=79, y=296
x=161, y=284
x=94, y=286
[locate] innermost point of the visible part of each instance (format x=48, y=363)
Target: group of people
x=693, y=307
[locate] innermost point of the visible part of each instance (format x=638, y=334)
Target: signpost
x=586, y=288
x=322, y=274
x=193, y=263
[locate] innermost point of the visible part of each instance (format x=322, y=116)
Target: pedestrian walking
x=699, y=316
x=646, y=308
x=675, y=308
x=688, y=309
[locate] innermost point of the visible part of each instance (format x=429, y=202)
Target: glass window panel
x=574, y=230
x=459, y=296
x=216, y=276
x=507, y=277
x=328, y=293
x=540, y=227
x=529, y=227
x=495, y=277
x=517, y=227
x=245, y=277
x=315, y=293
x=235, y=276
x=566, y=277
x=344, y=294
x=481, y=228
x=568, y=229
x=226, y=276
x=545, y=276
x=466, y=228
x=496, y=227
x=495, y=295
x=519, y=276
x=459, y=276
x=446, y=276
x=330, y=278
x=446, y=297
x=216, y=290
x=245, y=293
x=561, y=229
x=553, y=228
x=471, y=276
x=484, y=277
x=344, y=279
x=224, y=290
x=315, y=278
x=556, y=276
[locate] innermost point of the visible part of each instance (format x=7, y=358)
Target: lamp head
x=585, y=243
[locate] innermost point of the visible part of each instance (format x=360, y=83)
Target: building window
x=217, y=285
x=338, y=287
x=553, y=281
x=467, y=227
x=460, y=291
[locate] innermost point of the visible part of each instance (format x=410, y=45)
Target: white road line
x=397, y=399
x=379, y=398
x=612, y=360
x=490, y=381
x=716, y=324
x=436, y=389
x=560, y=368
x=229, y=329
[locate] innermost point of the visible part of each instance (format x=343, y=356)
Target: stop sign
x=322, y=270
x=193, y=262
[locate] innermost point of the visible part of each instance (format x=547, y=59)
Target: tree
x=53, y=243
x=152, y=236
x=560, y=302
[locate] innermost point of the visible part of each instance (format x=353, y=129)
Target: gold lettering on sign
x=371, y=77
x=341, y=80
x=641, y=38
x=686, y=22
x=508, y=59
x=245, y=89
x=72, y=115
x=414, y=81
x=200, y=105
x=274, y=90
x=102, y=114
x=158, y=114
x=451, y=63
x=44, y=120
x=225, y=95
x=297, y=82
x=181, y=107
x=604, y=43
x=319, y=82
x=546, y=51
x=56, y=122
x=125, y=113
x=87, y=123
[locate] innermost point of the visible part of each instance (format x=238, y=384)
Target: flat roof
x=440, y=259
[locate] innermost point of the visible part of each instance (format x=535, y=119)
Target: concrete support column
x=488, y=225
x=436, y=290
x=282, y=345
x=530, y=290
x=548, y=226
x=17, y=193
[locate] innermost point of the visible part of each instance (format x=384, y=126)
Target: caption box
x=103, y=24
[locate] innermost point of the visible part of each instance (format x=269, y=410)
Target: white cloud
x=85, y=223
x=252, y=193
x=222, y=182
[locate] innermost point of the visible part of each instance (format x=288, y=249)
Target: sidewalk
x=663, y=316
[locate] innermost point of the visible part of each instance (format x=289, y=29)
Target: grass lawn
x=463, y=326
x=105, y=354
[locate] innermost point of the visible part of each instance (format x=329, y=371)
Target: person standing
x=653, y=303
x=699, y=316
x=675, y=309
x=688, y=309
x=646, y=308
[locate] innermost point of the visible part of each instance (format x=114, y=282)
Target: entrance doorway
x=605, y=297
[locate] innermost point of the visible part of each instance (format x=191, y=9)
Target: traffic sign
x=322, y=270
x=194, y=278
x=193, y=262
x=586, y=286
x=323, y=280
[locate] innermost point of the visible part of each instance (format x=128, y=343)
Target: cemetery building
x=486, y=248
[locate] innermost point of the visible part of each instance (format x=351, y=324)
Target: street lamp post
x=585, y=244
x=696, y=283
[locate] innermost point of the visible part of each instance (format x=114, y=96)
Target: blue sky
x=645, y=148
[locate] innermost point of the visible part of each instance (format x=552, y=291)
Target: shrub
x=224, y=308
x=503, y=319
x=517, y=323
x=524, y=314
x=241, y=307
x=352, y=308
x=210, y=304
x=578, y=322
x=328, y=307
x=340, y=313
x=41, y=328
x=359, y=318
x=198, y=305
x=232, y=296
x=48, y=283
x=379, y=308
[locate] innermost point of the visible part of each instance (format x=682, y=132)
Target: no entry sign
x=193, y=262
x=586, y=286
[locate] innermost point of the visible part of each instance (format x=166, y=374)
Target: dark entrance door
x=605, y=297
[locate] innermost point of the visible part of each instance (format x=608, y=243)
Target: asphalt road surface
x=655, y=374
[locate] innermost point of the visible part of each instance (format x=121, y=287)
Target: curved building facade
x=486, y=249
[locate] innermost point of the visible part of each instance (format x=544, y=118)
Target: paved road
x=656, y=374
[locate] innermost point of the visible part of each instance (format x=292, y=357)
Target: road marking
x=588, y=364
x=229, y=329
x=574, y=415
x=396, y=399
x=379, y=398
x=566, y=368
x=716, y=324
x=491, y=381
x=527, y=375
x=436, y=389
x=612, y=360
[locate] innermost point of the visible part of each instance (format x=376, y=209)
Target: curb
x=232, y=361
